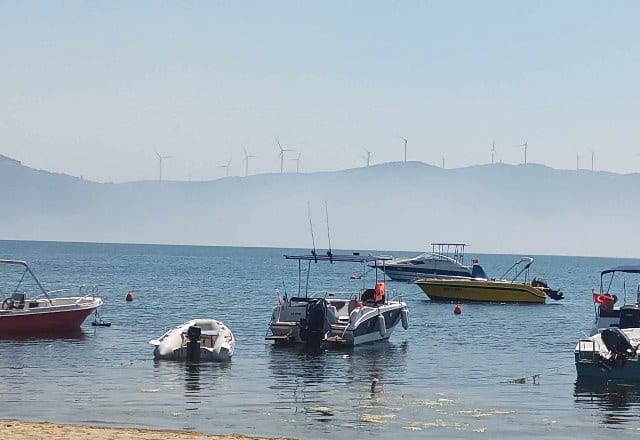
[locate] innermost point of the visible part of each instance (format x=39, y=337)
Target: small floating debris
x=324, y=410
x=520, y=380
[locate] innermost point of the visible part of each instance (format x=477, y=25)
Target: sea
x=494, y=371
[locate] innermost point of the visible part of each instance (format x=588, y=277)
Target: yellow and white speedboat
x=491, y=290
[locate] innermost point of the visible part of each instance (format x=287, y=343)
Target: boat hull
x=628, y=371
x=216, y=342
x=481, y=291
x=365, y=328
x=44, y=322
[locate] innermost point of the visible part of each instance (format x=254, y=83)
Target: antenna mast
x=313, y=240
x=326, y=210
x=493, y=152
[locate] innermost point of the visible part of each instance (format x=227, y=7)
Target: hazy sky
x=93, y=88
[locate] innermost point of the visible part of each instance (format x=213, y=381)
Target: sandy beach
x=19, y=430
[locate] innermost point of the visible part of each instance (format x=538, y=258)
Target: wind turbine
x=161, y=158
x=593, y=160
x=405, y=147
x=525, y=145
x=282, y=151
x=442, y=162
x=493, y=152
x=297, y=161
x=577, y=161
x=247, y=156
x=367, y=157
x=226, y=167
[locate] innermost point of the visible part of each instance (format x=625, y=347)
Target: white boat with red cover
x=22, y=314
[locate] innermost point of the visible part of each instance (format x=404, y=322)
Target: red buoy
x=457, y=310
x=129, y=296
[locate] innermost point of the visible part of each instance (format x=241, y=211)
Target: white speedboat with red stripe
x=43, y=313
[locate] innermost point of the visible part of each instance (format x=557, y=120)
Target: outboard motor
x=555, y=294
x=551, y=293
x=618, y=345
x=193, y=346
x=312, y=326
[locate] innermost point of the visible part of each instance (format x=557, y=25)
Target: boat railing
x=587, y=350
x=395, y=296
x=342, y=293
x=82, y=298
x=56, y=291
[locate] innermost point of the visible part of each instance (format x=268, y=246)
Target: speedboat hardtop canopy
x=625, y=269
x=331, y=257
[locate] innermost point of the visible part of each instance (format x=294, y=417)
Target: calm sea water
x=447, y=376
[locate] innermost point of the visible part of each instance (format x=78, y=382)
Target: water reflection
x=344, y=387
x=617, y=400
x=200, y=379
x=64, y=335
x=192, y=386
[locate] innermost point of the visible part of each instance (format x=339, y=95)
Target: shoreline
x=23, y=430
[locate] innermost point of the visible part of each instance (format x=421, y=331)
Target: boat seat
x=18, y=300
x=205, y=333
x=367, y=295
x=332, y=314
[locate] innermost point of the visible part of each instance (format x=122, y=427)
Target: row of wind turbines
x=367, y=157
x=247, y=156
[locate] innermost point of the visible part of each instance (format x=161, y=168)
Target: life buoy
x=404, y=315
x=382, y=325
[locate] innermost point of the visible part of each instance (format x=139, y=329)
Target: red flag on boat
x=602, y=299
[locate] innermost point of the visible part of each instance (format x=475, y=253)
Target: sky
x=95, y=89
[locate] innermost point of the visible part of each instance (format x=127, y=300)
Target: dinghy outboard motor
x=618, y=345
x=312, y=326
x=193, y=346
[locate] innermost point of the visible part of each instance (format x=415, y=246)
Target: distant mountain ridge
x=401, y=205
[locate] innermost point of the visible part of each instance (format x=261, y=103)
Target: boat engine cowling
x=618, y=344
x=312, y=327
x=551, y=293
x=193, y=346
x=555, y=294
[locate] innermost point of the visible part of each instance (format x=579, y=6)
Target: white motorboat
x=198, y=340
x=333, y=318
x=611, y=351
x=22, y=314
x=446, y=260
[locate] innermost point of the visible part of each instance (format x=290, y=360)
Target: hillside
x=496, y=208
